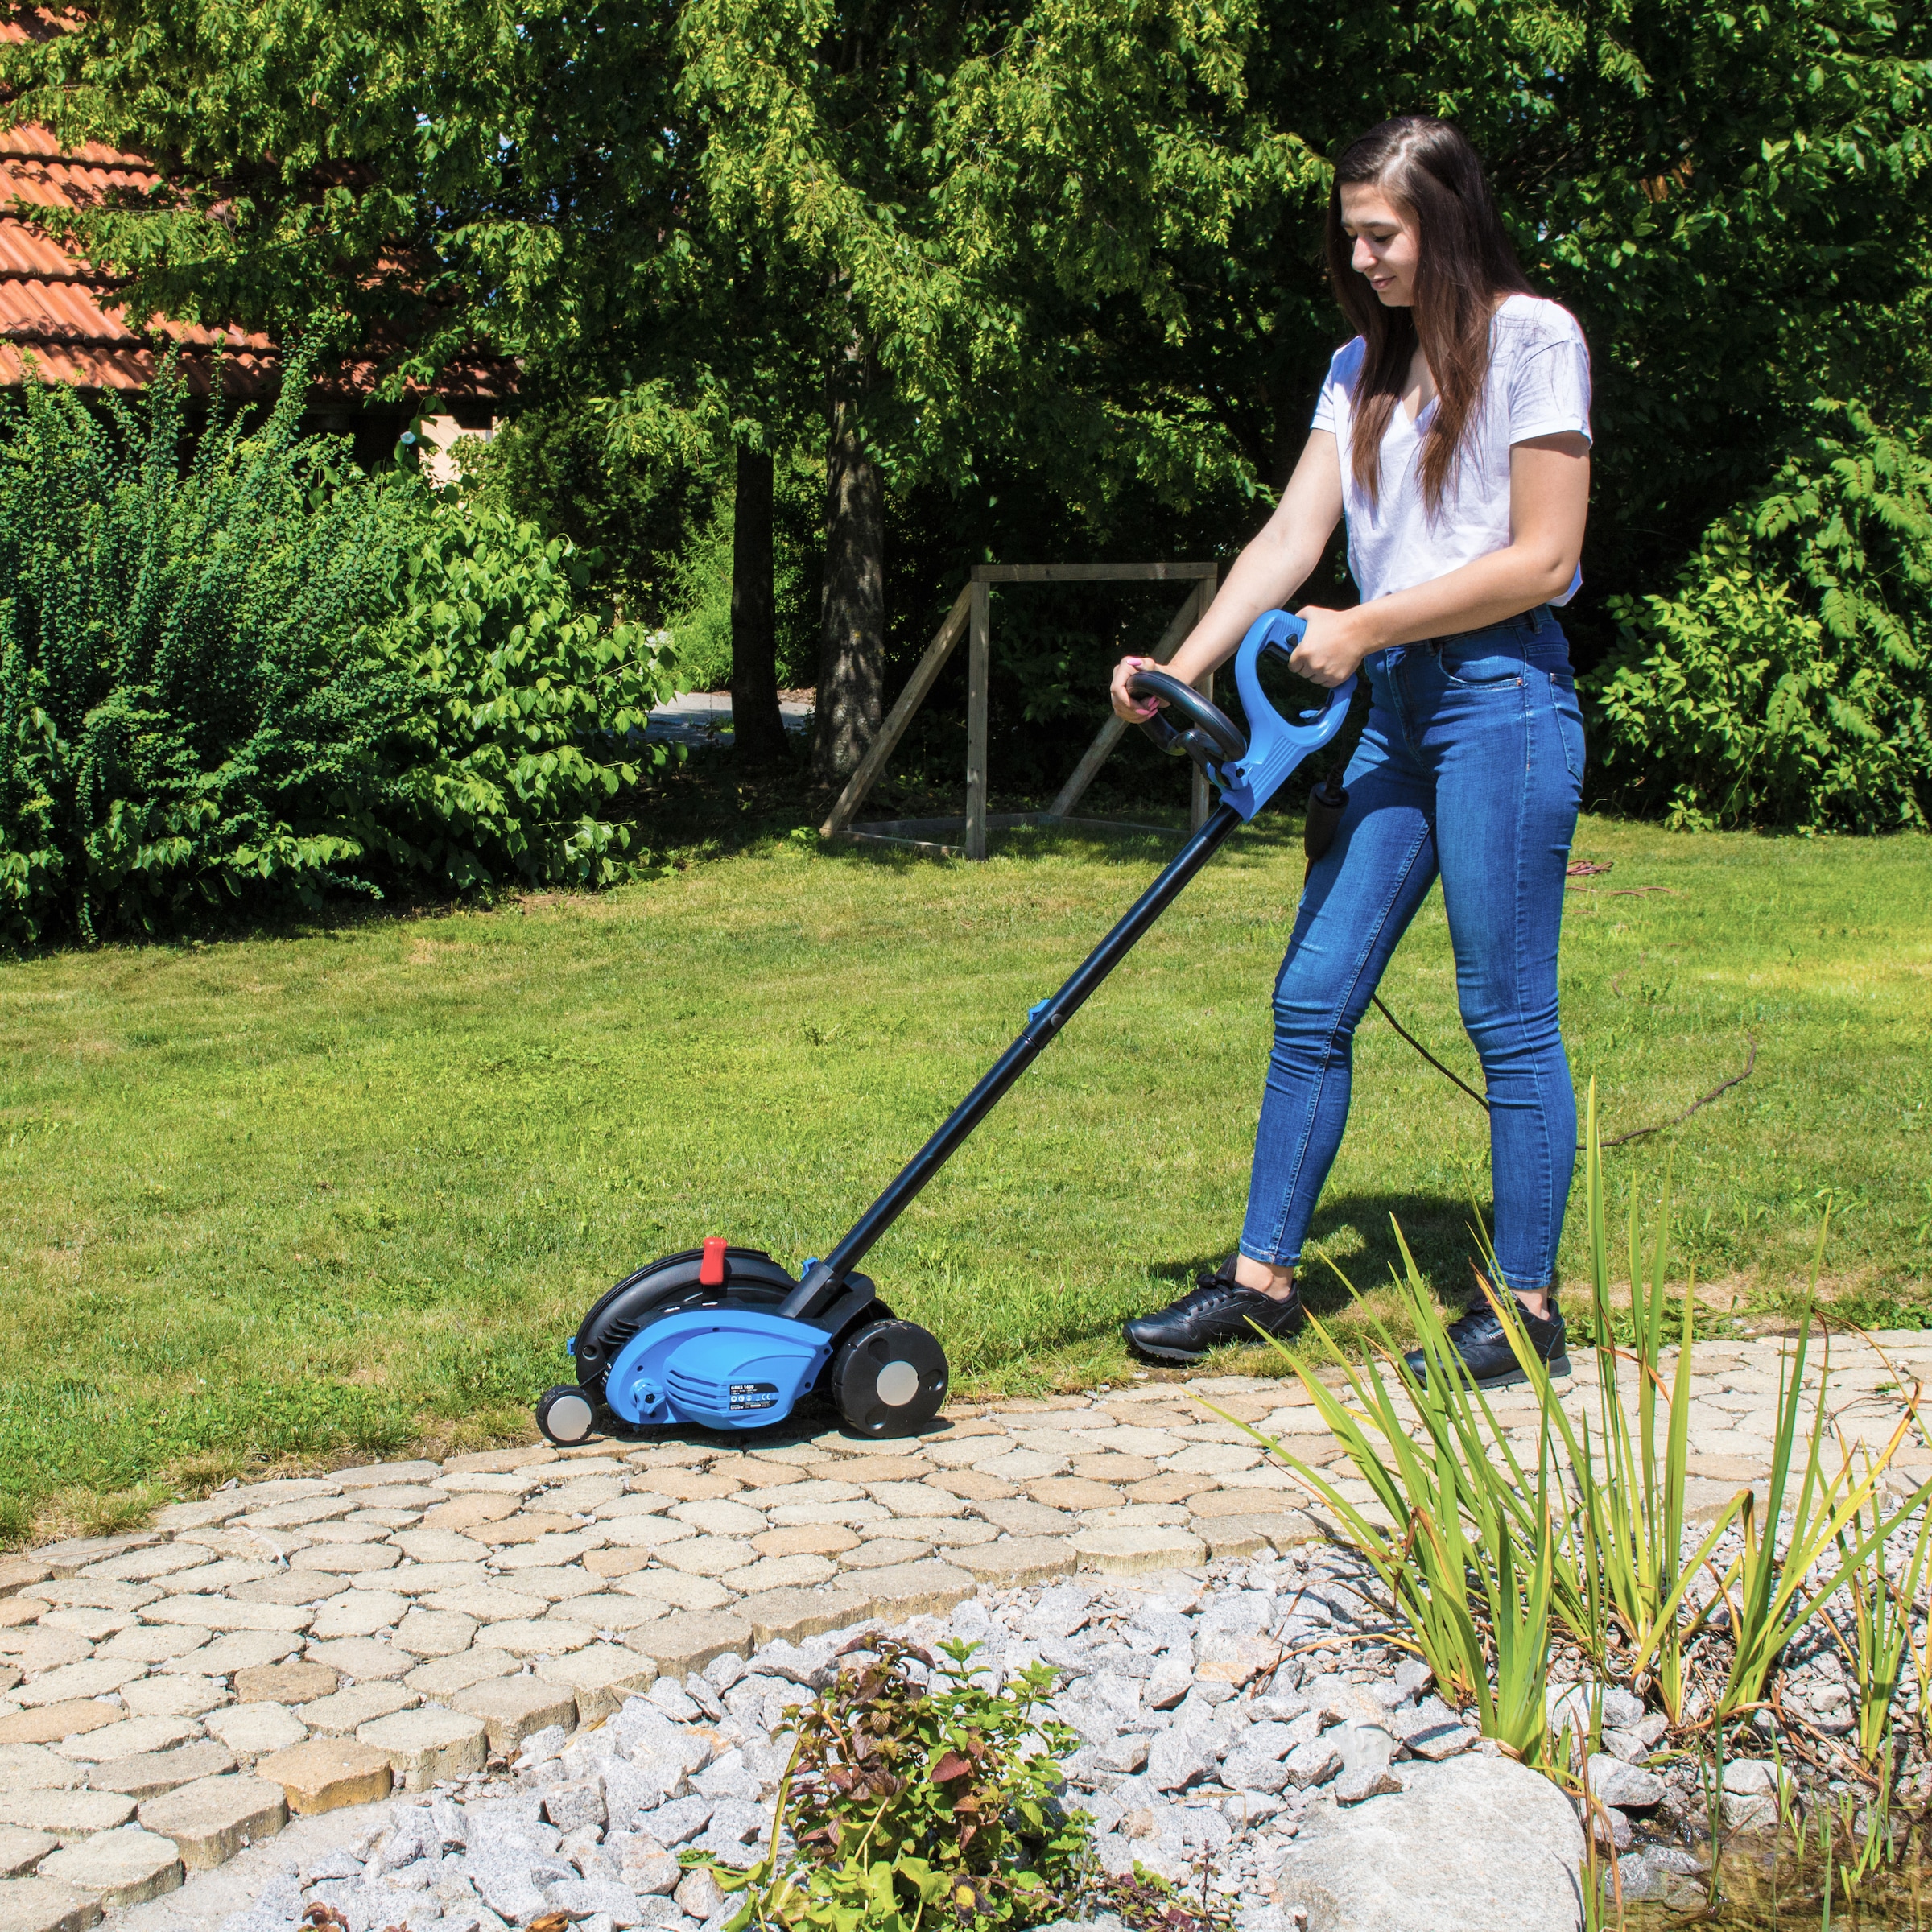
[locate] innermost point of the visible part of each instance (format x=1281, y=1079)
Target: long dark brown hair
x=1465, y=262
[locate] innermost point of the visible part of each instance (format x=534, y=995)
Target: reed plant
x=1773, y=1586
x=1470, y=1551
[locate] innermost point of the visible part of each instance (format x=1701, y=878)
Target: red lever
x=711, y=1270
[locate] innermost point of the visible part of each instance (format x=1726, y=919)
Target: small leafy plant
x=911, y=1802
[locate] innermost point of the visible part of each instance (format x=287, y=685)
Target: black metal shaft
x=1042, y=1023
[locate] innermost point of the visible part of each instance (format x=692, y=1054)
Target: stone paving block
x=74, y=1683
x=679, y=1591
x=34, y=1768
x=795, y=1515
x=179, y=1693
x=975, y=1485
x=131, y=1738
x=40, y=1905
x=599, y=1677
x=296, y=1683
x=435, y=1632
x=152, y=1773
x=344, y=1714
x=540, y=1637
x=212, y=1820
x=152, y=1644
x=445, y=1675
x=928, y=1589
x=804, y=1539
x=552, y=1582
x=362, y=1659
x=441, y=1546
x=431, y=1579
x=513, y=1708
x=429, y=1746
x=67, y=1815
x=792, y=1616
x=878, y=1552
x=18, y=1572
x=1280, y=1529
x=468, y=1512
x=127, y=1867
x=526, y=1526
x=291, y=1515
x=916, y=1499
x=21, y=1849
x=719, y=1515
x=780, y=1573
x=327, y=1774
x=69, y=1557
x=1020, y=1517
x=688, y=1642
x=357, y=1613
x=1072, y=1492
x=611, y=1610
x=369, y=1475
x=708, y=1555
x=1130, y=1552
x=532, y=1455
x=490, y=1605
x=239, y=1651
x=949, y=1532
x=216, y=1613
x=257, y=1729
x=1018, y=1560
x=287, y=1587
x=46, y=1649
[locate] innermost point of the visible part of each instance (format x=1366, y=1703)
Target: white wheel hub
x=898, y=1384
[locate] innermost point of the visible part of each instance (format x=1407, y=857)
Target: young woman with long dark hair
x=1453, y=433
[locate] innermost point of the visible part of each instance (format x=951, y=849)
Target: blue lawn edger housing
x=723, y=1337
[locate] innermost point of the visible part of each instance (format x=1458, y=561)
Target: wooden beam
x=978, y=675
x=1108, y=736
x=1090, y=573
x=928, y=669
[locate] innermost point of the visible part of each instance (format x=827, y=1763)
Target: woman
x=1454, y=434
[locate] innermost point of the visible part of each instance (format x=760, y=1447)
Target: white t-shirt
x=1538, y=386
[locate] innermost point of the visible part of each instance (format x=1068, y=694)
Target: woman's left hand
x=1331, y=648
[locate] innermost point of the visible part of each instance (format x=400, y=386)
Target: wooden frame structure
x=972, y=616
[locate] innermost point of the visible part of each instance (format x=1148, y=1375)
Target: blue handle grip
x=1275, y=744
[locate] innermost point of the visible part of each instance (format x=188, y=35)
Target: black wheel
x=889, y=1379
x=564, y=1415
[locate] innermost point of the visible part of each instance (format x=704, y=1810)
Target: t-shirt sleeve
x=1328, y=405
x=1549, y=387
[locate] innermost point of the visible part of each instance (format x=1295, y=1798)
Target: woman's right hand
x=1135, y=711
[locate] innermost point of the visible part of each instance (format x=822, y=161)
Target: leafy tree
x=1788, y=678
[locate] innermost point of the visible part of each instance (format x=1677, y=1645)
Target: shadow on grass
x=1357, y=1229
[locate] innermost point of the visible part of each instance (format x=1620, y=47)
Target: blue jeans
x=1470, y=766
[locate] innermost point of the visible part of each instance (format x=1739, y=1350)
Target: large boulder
x=1476, y=1844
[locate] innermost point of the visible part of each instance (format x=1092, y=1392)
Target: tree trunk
x=758, y=731
x=852, y=655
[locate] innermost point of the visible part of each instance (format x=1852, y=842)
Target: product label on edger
x=753, y=1395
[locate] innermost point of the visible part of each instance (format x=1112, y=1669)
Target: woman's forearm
x=1503, y=584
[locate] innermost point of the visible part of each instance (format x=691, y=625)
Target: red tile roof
x=58, y=314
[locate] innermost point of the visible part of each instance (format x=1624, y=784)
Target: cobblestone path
x=289, y=1649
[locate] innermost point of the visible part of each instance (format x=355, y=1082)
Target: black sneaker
x=1219, y=1310
x=1484, y=1350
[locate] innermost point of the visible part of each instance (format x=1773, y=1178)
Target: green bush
x=1789, y=682
x=266, y=676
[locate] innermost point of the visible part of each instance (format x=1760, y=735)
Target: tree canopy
x=1074, y=242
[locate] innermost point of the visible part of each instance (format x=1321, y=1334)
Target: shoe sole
x=1557, y=1365
x=1188, y=1357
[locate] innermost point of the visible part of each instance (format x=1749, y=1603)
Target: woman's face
x=1387, y=247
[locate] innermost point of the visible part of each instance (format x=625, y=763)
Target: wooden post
x=978, y=666
x=1200, y=801
x=910, y=699
x=1108, y=736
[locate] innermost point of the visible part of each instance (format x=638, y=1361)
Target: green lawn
x=350, y=1188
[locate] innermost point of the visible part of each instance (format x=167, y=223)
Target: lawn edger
x=724, y=1337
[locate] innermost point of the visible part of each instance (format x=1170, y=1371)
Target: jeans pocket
x=1478, y=670
x=1569, y=725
